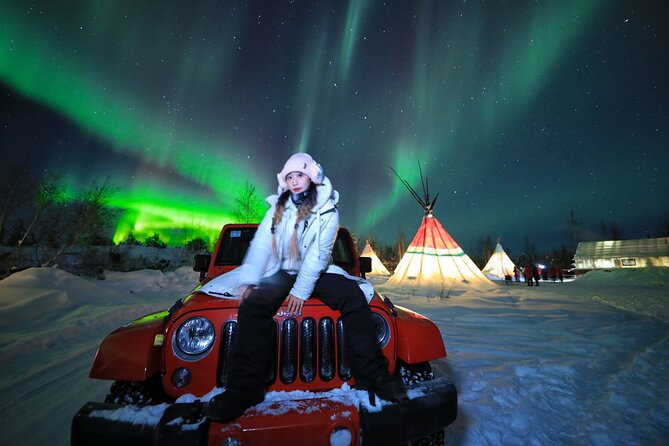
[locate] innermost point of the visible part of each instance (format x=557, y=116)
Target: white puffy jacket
x=316, y=237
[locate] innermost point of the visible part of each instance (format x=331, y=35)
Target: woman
x=288, y=260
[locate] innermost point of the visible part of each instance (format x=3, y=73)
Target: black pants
x=252, y=347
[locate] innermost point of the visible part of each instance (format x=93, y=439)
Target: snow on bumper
x=338, y=418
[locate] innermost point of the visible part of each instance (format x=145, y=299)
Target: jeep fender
x=418, y=338
x=130, y=353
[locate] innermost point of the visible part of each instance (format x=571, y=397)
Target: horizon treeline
x=42, y=212
x=39, y=213
x=563, y=255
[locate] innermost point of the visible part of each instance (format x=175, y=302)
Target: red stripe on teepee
x=432, y=235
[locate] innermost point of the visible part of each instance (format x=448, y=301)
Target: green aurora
x=174, y=90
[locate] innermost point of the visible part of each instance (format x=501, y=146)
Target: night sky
x=518, y=111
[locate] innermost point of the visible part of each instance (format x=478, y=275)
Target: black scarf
x=298, y=198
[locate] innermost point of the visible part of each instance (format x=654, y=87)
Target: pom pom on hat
x=301, y=162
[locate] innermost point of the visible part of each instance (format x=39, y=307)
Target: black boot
x=232, y=403
x=386, y=386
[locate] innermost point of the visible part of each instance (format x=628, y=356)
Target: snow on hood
x=297, y=400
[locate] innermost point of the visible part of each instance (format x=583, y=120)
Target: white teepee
x=500, y=264
x=377, y=267
x=434, y=264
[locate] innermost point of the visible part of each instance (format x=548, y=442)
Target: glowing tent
x=434, y=264
x=377, y=267
x=499, y=264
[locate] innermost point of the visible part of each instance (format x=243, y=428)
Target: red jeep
x=184, y=352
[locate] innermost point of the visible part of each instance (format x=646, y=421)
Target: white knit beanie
x=301, y=162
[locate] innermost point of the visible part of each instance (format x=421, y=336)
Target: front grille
x=321, y=351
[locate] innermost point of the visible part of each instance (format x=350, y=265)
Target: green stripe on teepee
x=461, y=253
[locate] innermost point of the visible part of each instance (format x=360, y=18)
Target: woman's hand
x=294, y=305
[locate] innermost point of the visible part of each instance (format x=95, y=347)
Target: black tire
x=416, y=373
x=433, y=439
x=138, y=393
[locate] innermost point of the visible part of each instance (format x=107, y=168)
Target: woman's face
x=297, y=182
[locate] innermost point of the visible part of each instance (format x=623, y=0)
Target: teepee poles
x=424, y=201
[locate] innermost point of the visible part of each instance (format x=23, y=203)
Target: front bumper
x=402, y=423
x=295, y=422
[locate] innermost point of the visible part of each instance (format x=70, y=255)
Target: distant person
x=528, y=275
x=516, y=274
x=543, y=272
x=552, y=273
x=507, y=279
x=560, y=273
x=536, y=275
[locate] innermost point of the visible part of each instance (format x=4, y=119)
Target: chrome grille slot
x=288, y=351
x=344, y=368
x=308, y=350
x=227, y=336
x=326, y=350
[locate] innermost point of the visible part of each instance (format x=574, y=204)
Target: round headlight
x=382, y=329
x=195, y=336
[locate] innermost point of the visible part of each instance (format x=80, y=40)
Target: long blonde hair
x=303, y=212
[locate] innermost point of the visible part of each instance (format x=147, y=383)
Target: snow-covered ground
x=584, y=362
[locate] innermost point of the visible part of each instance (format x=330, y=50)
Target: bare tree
x=248, y=206
x=616, y=231
x=400, y=243
x=486, y=248
x=611, y=231
x=187, y=232
x=199, y=244
x=388, y=256
x=49, y=192
x=531, y=252
x=90, y=216
x=574, y=230
x=604, y=230
x=15, y=185
x=663, y=225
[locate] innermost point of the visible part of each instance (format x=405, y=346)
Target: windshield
x=236, y=242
